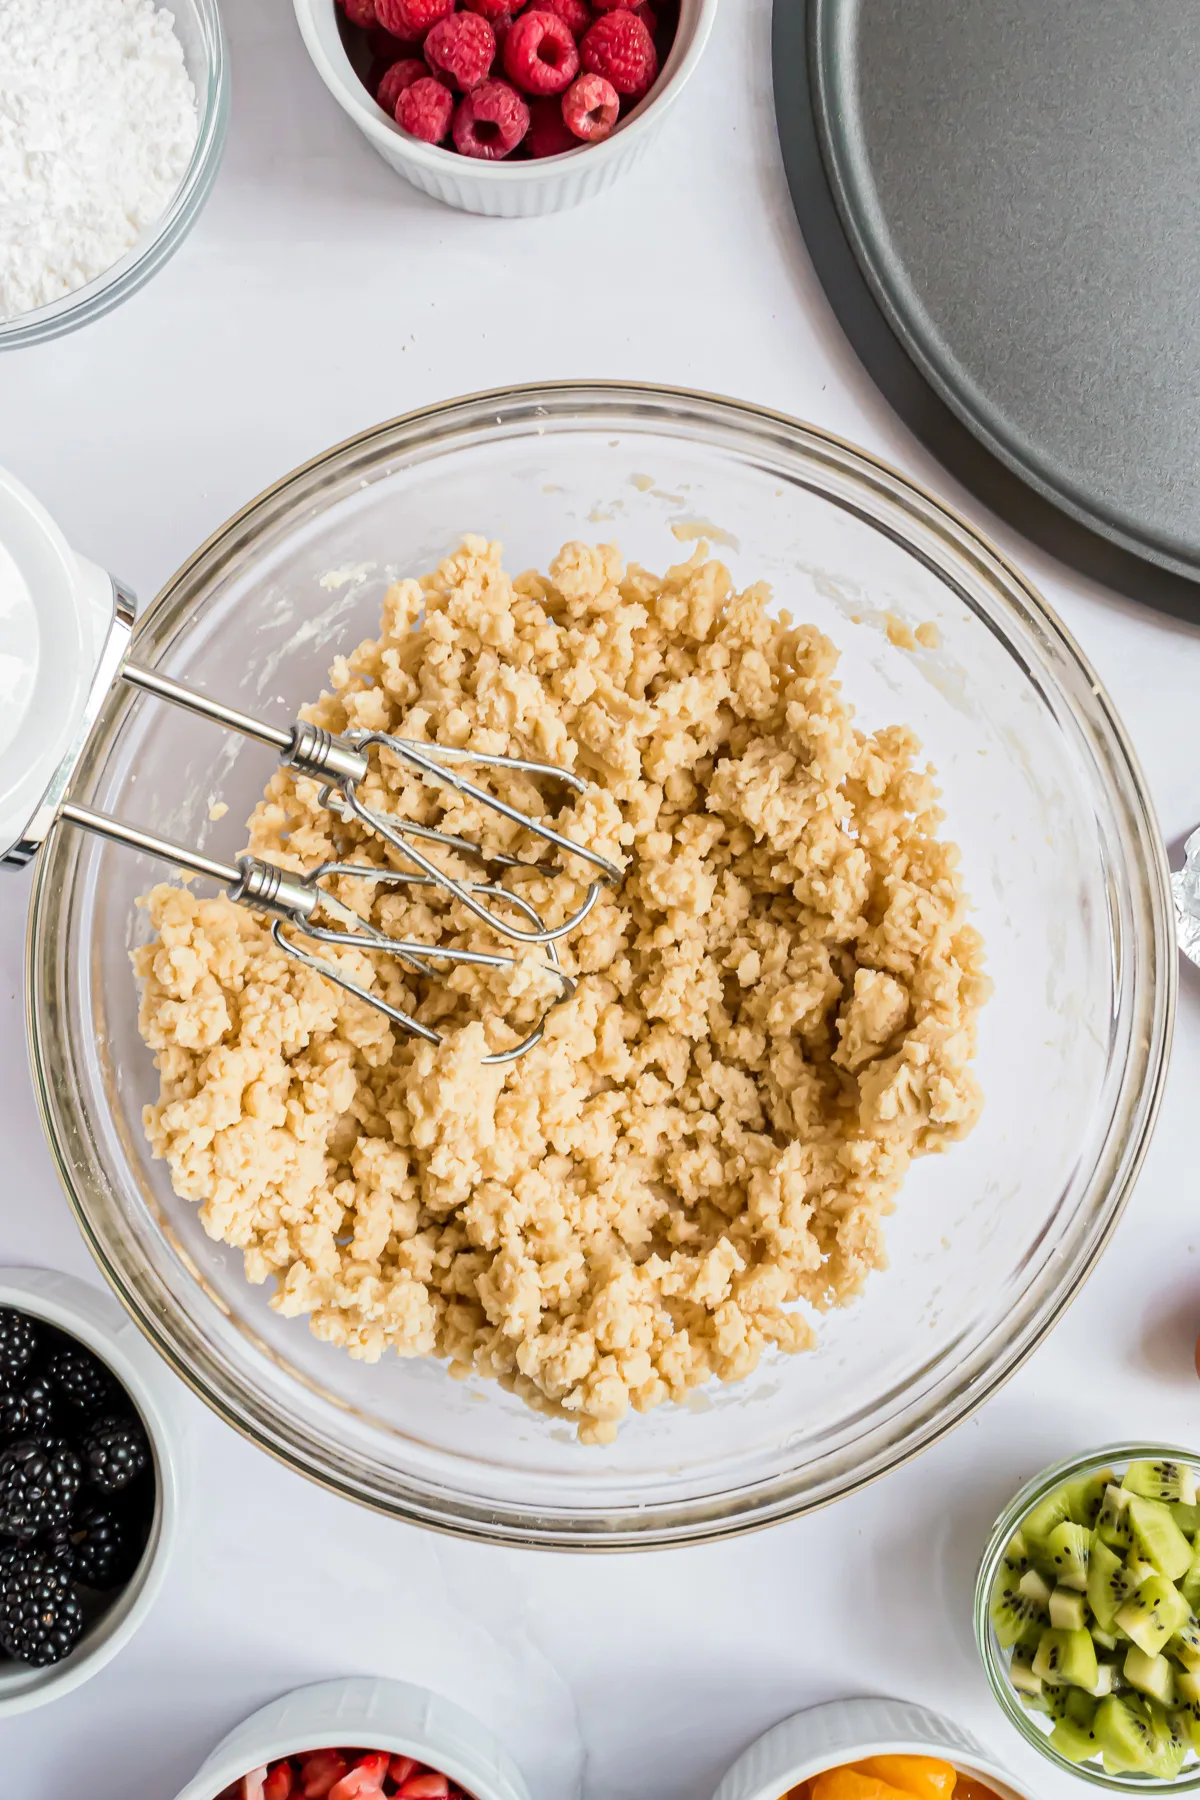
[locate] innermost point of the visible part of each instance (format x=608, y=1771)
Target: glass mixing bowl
x=1062, y=856
x=198, y=27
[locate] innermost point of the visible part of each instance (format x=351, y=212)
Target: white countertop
x=317, y=295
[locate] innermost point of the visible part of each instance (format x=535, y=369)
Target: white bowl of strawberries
x=359, y=1739
x=507, y=107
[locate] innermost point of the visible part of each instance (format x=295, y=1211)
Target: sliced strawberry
x=320, y=1773
x=401, y=1767
x=365, y=1780
x=424, y=1787
x=280, y=1783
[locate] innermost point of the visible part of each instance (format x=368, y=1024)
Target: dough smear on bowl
x=776, y=1010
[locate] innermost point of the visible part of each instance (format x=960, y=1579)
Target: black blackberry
x=56, y=1544
x=39, y=1478
x=18, y=1340
x=27, y=1406
x=82, y=1380
x=41, y=1618
x=104, y=1547
x=114, y=1452
x=20, y=1555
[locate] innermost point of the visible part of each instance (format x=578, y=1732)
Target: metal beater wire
x=362, y=935
x=426, y=760
x=340, y=764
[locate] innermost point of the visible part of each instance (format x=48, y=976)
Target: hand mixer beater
x=297, y=902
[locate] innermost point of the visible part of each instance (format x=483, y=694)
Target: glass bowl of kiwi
x=1086, y=1611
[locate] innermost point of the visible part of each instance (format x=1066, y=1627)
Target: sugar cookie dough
x=776, y=1010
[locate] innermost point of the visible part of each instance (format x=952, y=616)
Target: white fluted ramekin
x=506, y=189
x=375, y=1715
x=92, y=1316
x=845, y=1731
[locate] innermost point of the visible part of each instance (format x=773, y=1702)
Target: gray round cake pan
x=1002, y=198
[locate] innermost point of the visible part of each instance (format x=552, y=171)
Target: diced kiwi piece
x=1066, y=1659
x=1015, y=1619
x=1080, y=1707
x=1138, y=1569
x=1187, y=1714
x=1068, y=1610
x=1076, y=1742
x=1185, y=1645
x=1015, y=1560
x=1103, y=1640
x=1170, y=1743
x=1112, y=1523
x=1189, y=1587
x=1187, y=1518
x=1123, y=1732
x=1069, y=1547
x=1152, y=1675
x=1158, y=1539
x=1085, y=1497
x=1052, y=1701
x=1020, y=1671
x=1035, y=1587
x=1152, y=1615
x=1107, y=1680
x=1187, y=1688
x=1109, y=1584
x=1163, y=1480
x=1037, y=1525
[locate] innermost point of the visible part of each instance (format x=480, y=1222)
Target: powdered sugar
x=97, y=126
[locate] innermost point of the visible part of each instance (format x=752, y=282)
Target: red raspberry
x=360, y=12
x=590, y=107
x=573, y=13
x=619, y=47
x=488, y=9
x=320, y=1771
x=411, y=18
x=462, y=49
x=399, y=76
x=491, y=121
x=280, y=1783
x=548, y=131
x=364, y=1781
x=540, y=53
x=425, y=110
x=646, y=14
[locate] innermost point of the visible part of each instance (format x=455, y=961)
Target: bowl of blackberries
x=82, y=1471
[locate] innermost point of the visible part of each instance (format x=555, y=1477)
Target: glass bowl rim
x=469, y=419
x=990, y=1653
x=133, y=270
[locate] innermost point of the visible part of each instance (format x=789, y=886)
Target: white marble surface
x=317, y=295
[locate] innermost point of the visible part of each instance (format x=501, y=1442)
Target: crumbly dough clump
x=776, y=1010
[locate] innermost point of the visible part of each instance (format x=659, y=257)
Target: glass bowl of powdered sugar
x=112, y=122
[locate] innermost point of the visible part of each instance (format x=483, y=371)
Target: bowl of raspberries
x=86, y=1484
x=359, y=1739
x=343, y=1772
x=508, y=107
